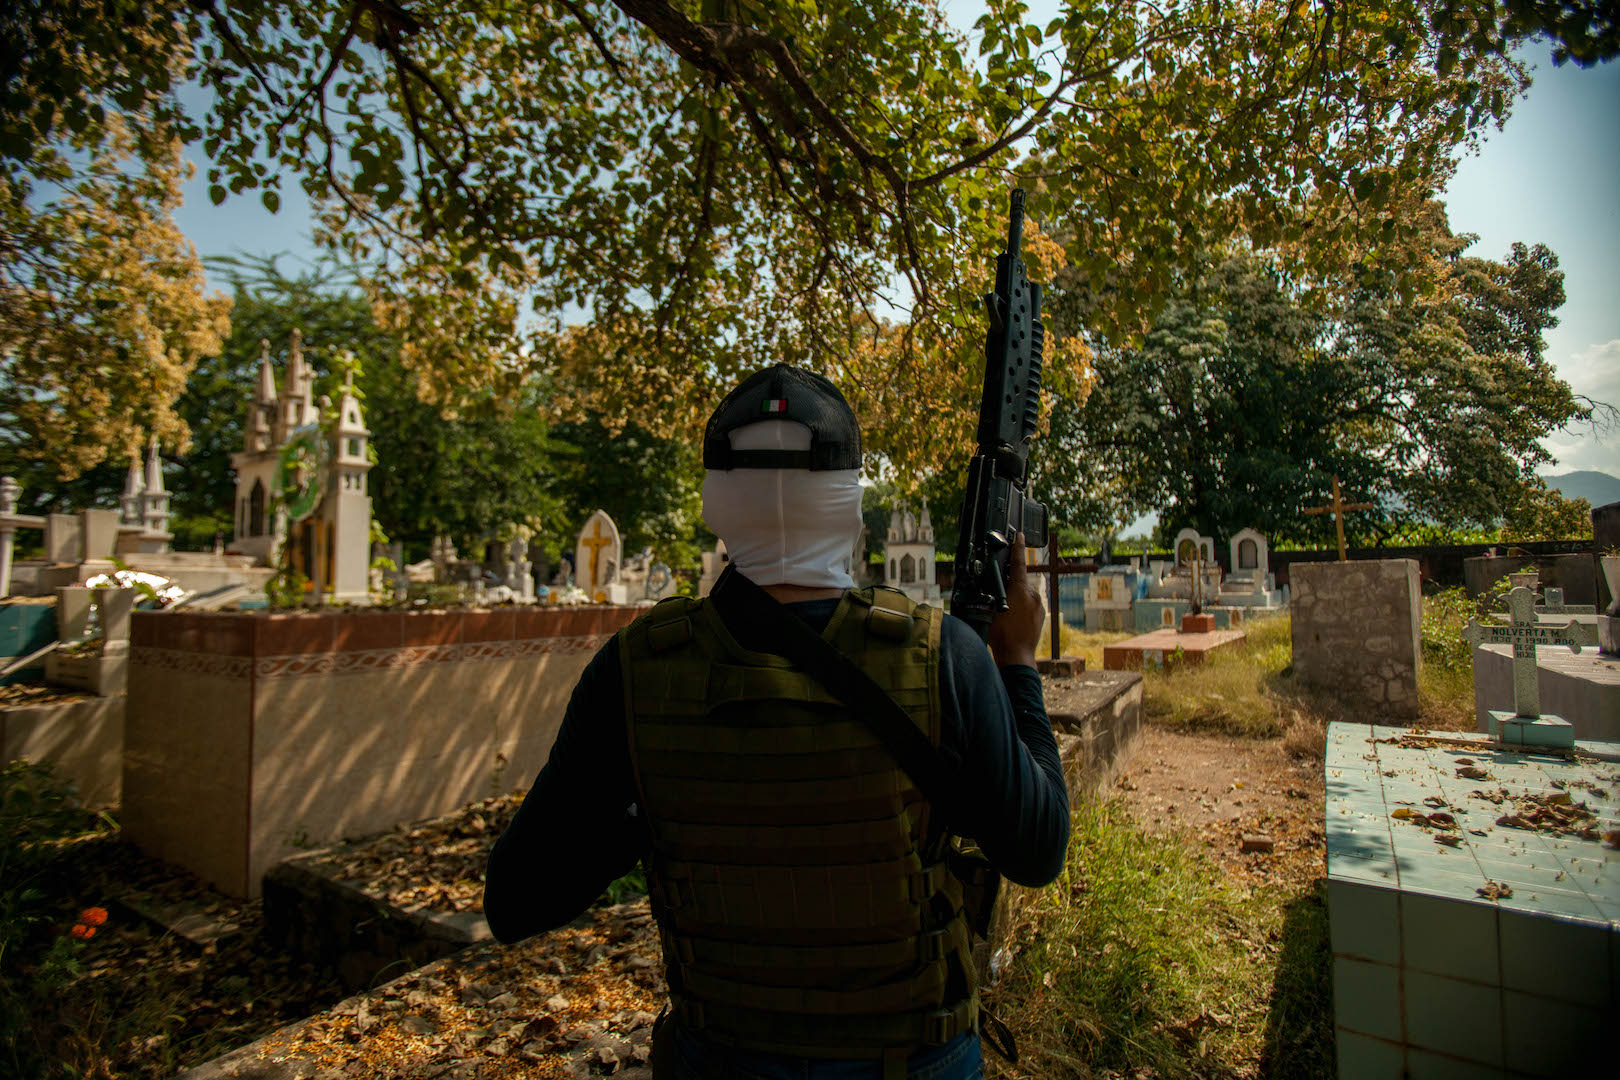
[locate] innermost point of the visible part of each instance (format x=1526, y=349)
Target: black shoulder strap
x=754, y=616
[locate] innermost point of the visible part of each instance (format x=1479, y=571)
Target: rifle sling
x=754, y=616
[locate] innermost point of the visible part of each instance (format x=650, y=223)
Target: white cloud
x=1595, y=372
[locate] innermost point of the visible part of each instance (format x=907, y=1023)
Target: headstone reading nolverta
x=1525, y=726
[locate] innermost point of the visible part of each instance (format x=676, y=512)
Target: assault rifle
x=995, y=505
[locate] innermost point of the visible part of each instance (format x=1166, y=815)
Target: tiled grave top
x=1426, y=816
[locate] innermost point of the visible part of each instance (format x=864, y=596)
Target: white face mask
x=785, y=526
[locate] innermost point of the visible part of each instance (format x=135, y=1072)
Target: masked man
x=810, y=927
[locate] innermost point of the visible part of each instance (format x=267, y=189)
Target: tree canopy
x=103, y=311
x=1244, y=402
x=642, y=199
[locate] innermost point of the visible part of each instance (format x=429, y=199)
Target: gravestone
x=443, y=555
x=1553, y=604
x=1190, y=545
x=1526, y=725
x=1471, y=905
x=1544, y=663
x=98, y=530
x=1608, y=623
x=517, y=576
x=714, y=564
x=1355, y=633
x=598, y=554
x=1251, y=556
x=64, y=539
x=1109, y=598
x=1250, y=588
x=1573, y=573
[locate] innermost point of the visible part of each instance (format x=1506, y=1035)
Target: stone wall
x=81, y=739
x=1356, y=636
x=253, y=737
x=1576, y=574
x=363, y=940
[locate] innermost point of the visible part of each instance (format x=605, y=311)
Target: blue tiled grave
x=1474, y=905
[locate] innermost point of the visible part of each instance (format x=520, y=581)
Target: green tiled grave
x=25, y=627
x=1431, y=976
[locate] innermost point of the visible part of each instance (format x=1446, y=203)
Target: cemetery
x=360, y=728
x=375, y=386
x=322, y=817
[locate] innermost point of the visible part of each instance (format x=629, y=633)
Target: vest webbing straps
x=753, y=615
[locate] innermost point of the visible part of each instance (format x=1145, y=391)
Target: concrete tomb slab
x=1473, y=907
x=1166, y=648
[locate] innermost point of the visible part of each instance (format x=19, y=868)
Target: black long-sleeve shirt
x=576, y=831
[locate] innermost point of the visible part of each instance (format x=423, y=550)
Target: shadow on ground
x=1299, y=1024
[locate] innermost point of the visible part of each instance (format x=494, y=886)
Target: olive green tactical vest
x=795, y=878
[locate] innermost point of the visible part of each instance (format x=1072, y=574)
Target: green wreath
x=301, y=471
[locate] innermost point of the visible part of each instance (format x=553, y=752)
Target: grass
x=1141, y=961
x=1249, y=689
x=1239, y=690
x=1074, y=642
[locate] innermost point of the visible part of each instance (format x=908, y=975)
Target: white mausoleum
x=909, y=555
x=333, y=544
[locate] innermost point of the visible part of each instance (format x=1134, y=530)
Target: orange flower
x=94, y=916
x=83, y=932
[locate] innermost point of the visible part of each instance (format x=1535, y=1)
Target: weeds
x=1235, y=690
x=1073, y=642
x=1446, y=678
x=1115, y=975
x=1249, y=689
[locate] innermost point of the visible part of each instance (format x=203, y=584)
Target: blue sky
x=1550, y=176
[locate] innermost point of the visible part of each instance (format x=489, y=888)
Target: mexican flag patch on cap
x=773, y=405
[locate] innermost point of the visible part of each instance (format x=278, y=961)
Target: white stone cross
x=1524, y=633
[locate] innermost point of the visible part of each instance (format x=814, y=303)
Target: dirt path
x=1214, y=790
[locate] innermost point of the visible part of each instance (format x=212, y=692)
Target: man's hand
x=1014, y=633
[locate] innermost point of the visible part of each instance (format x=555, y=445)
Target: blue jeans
x=697, y=1059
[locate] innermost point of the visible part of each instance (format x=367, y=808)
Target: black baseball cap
x=784, y=392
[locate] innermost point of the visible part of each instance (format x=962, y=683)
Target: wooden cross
x=1337, y=508
x=1524, y=633
x=596, y=543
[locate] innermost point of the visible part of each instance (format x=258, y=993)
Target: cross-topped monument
x=595, y=542
x=1337, y=508
x=1525, y=725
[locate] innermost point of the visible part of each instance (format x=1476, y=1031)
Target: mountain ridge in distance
x=1597, y=488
